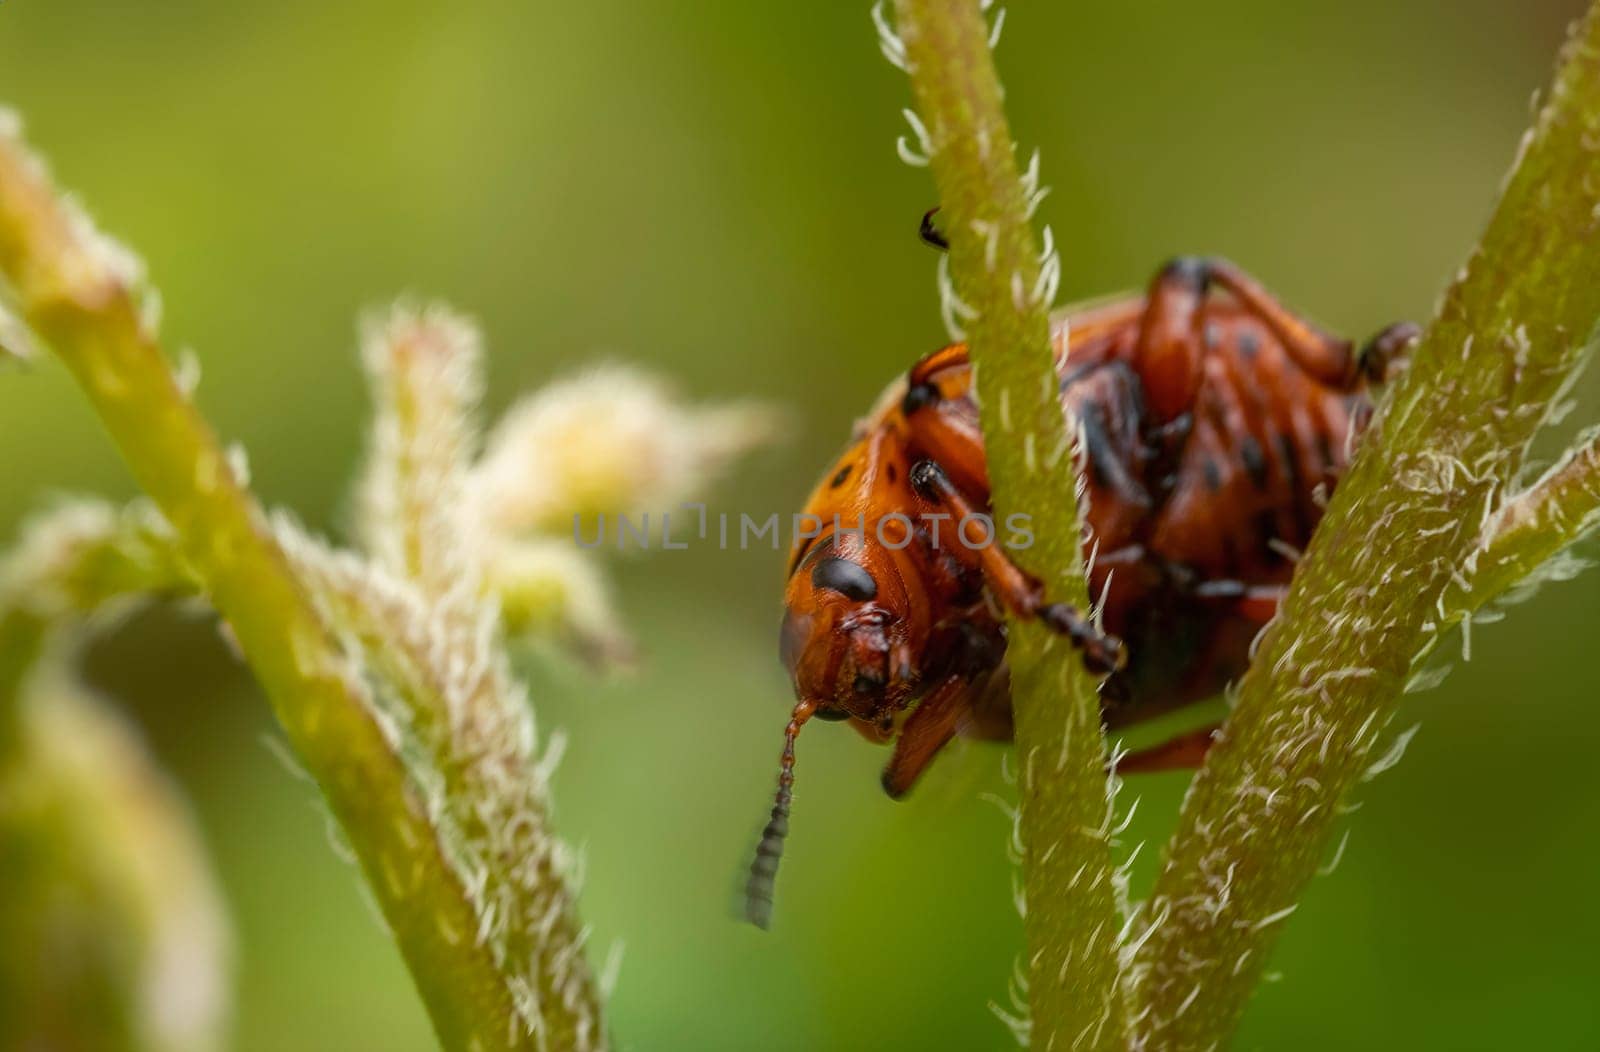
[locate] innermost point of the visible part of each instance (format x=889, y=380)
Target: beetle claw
x=1102, y=654
x=930, y=233
x=1384, y=355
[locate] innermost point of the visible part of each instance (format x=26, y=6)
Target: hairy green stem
x=424, y=612
x=77, y=292
x=1370, y=594
x=1069, y=879
x=100, y=852
x=67, y=565
x=1535, y=526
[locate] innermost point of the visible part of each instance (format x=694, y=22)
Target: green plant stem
x=1365, y=601
x=1534, y=527
x=1069, y=878
x=421, y=607
x=82, y=805
x=67, y=566
x=81, y=302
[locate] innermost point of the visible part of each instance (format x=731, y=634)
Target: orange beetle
x=1213, y=422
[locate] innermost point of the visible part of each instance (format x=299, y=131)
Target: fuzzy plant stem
x=1403, y=534
x=1069, y=879
x=469, y=714
x=1532, y=528
x=78, y=293
x=83, y=807
x=69, y=565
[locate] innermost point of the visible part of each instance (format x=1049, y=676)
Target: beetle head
x=848, y=656
x=842, y=639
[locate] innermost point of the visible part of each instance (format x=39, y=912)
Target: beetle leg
x=1171, y=341
x=1022, y=595
x=1253, y=602
x=989, y=715
x=1184, y=752
x=925, y=373
x=1172, y=332
x=930, y=234
x=1170, y=348
x=944, y=437
x=1108, y=398
x=1383, y=356
x=928, y=729
x=1326, y=357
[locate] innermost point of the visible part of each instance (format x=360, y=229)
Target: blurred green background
x=711, y=190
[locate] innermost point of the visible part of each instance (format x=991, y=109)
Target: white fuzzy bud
x=611, y=441
x=425, y=365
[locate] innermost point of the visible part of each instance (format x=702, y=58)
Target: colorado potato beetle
x=1212, y=424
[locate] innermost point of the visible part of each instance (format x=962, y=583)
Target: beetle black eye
x=831, y=715
x=845, y=577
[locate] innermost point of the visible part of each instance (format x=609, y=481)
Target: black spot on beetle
x=1213, y=474
x=1096, y=444
x=917, y=396
x=1291, y=462
x=1255, y=461
x=839, y=477
x=1249, y=344
x=848, y=578
x=1324, y=451
x=894, y=474
x=1267, y=528
x=1191, y=271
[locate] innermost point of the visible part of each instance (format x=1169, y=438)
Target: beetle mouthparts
x=764, y=869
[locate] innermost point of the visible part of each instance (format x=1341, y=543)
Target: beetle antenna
x=764, y=869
